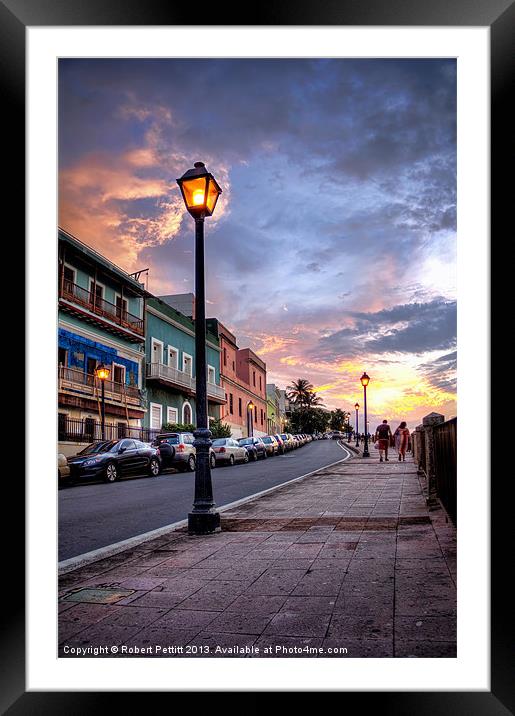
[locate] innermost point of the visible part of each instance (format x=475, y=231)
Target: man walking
x=383, y=434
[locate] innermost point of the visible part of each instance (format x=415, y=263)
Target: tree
x=178, y=427
x=309, y=420
x=299, y=391
x=219, y=429
x=338, y=420
x=302, y=395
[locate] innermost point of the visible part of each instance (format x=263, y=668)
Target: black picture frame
x=499, y=15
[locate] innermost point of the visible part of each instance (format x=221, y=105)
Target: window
x=230, y=404
x=121, y=308
x=233, y=366
x=186, y=414
x=121, y=430
x=156, y=351
x=173, y=357
x=211, y=375
x=156, y=416
x=62, y=356
x=68, y=278
x=239, y=407
x=96, y=290
x=261, y=416
x=187, y=364
x=260, y=384
x=118, y=373
x=225, y=355
x=253, y=377
x=255, y=413
x=172, y=415
x=128, y=444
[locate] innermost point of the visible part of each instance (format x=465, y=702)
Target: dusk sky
x=333, y=246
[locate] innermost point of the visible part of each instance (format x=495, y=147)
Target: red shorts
x=384, y=444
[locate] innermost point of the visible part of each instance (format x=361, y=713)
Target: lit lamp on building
x=102, y=373
x=365, y=380
x=356, y=408
x=200, y=192
x=250, y=421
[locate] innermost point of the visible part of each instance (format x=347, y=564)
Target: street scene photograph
x=257, y=358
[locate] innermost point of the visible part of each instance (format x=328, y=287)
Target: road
x=96, y=515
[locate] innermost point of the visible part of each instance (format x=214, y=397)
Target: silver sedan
x=228, y=451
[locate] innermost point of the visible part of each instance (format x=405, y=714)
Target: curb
x=81, y=560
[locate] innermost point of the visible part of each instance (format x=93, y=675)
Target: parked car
x=288, y=441
x=229, y=451
x=280, y=444
x=272, y=448
x=110, y=459
x=63, y=469
x=254, y=446
x=177, y=450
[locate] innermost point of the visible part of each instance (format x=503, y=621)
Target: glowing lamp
x=356, y=406
x=101, y=372
x=251, y=405
x=365, y=380
x=200, y=191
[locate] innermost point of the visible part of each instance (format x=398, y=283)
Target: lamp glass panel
x=194, y=192
x=212, y=196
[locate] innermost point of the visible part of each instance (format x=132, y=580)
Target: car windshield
x=96, y=448
x=267, y=440
x=284, y=436
x=245, y=441
x=220, y=441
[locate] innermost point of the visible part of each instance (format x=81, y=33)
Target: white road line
x=81, y=560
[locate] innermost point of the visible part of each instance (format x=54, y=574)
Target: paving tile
x=238, y=623
x=216, y=596
x=320, y=582
x=298, y=624
x=276, y=582
x=251, y=604
x=309, y=605
x=432, y=628
x=376, y=626
x=185, y=619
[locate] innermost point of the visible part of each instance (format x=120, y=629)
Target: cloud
x=408, y=328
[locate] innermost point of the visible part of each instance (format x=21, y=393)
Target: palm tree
x=298, y=392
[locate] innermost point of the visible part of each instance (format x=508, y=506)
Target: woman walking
x=402, y=440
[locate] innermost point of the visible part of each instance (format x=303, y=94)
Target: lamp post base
x=366, y=453
x=204, y=523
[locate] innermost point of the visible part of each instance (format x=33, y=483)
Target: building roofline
x=105, y=262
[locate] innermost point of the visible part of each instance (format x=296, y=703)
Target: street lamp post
x=365, y=380
x=356, y=408
x=250, y=408
x=102, y=373
x=200, y=192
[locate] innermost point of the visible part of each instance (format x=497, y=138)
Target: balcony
x=184, y=381
x=85, y=385
x=95, y=309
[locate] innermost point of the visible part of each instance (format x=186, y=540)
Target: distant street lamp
x=102, y=373
x=356, y=408
x=250, y=408
x=365, y=380
x=200, y=192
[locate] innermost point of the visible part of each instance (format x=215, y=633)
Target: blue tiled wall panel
x=80, y=348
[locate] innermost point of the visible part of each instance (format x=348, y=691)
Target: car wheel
x=255, y=456
x=246, y=458
x=191, y=464
x=111, y=473
x=154, y=467
x=231, y=460
x=212, y=461
x=265, y=454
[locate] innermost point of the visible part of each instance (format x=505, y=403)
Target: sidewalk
x=349, y=558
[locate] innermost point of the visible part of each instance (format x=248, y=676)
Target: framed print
x=272, y=242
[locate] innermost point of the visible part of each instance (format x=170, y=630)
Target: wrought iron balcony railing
x=100, y=307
